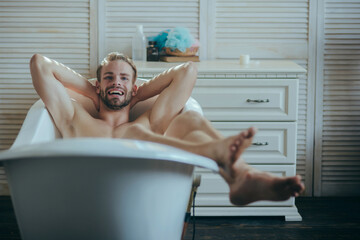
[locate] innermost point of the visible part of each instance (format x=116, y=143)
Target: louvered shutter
x=57, y=29
x=123, y=16
x=268, y=30
x=338, y=140
x=263, y=29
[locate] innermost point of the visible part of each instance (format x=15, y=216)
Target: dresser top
x=228, y=66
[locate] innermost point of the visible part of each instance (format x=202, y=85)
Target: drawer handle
x=258, y=100
x=260, y=144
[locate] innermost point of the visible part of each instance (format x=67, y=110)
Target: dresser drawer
x=214, y=191
x=274, y=143
x=247, y=99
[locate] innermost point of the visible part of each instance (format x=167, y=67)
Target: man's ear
x=134, y=90
x=97, y=86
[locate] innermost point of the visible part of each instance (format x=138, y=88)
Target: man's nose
x=117, y=81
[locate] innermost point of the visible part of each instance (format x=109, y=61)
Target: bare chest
x=84, y=125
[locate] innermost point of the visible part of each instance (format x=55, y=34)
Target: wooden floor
x=323, y=218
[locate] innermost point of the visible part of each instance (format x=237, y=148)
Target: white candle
x=244, y=59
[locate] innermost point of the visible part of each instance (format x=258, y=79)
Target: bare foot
x=229, y=150
x=246, y=183
x=255, y=185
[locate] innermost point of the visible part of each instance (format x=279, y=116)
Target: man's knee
x=191, y=67
x=193, y=116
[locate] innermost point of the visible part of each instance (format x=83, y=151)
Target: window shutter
x=263, y=29
x=57, y=29
x=156, y=16
x=339, y=158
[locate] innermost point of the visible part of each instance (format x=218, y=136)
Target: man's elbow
x=39, y=65
x=38, y=61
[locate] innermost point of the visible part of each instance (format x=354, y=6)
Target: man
x=115, y=94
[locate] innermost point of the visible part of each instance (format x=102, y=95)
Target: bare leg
x=191, y=126
x=246, y=183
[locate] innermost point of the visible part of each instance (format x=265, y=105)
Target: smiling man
x=115, y=94
x=110, y=96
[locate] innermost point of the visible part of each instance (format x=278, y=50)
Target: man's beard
x=115, y=103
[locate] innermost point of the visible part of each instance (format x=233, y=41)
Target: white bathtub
x=96, y=188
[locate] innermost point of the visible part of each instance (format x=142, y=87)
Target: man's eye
x=124, y=78
x=108, y=78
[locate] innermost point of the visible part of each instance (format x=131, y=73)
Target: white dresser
x=234, y=97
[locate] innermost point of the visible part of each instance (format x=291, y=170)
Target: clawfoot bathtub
x=96, y=188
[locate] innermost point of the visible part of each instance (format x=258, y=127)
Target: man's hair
x=114, y=56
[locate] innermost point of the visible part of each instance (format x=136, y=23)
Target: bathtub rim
x=107, y=147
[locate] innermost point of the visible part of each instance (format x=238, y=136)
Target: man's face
x=116, y=87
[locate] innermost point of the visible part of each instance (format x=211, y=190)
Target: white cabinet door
x=274, y=143
x=247, y=99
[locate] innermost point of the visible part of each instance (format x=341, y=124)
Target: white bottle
x=139, y=44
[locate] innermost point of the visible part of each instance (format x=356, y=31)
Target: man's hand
x=96, y=99
x=135, y=99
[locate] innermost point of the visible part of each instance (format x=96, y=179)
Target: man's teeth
x=116, y=92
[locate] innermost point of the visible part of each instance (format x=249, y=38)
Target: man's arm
x=174, y=87
x=50, y=79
